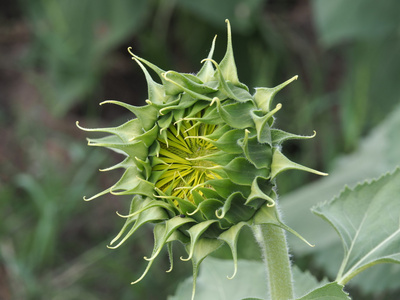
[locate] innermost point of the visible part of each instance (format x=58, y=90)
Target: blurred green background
x=60, y=58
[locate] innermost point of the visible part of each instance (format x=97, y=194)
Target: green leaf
x=304, y=282
x=368, y=222
x=382, y=145
x=212, y=282
x=248, y=283
x=327, y=292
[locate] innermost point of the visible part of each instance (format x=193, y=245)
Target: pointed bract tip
x=130, y=51
x=314, y=134
x=86, y=199
x=106, y=102
x=185, y=259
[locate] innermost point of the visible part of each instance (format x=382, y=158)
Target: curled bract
x=201, y=159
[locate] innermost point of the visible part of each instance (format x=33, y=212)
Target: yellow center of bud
x=183, y=159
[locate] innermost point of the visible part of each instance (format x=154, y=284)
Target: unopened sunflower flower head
x=201, y=158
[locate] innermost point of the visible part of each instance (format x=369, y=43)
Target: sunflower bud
x=201, y=158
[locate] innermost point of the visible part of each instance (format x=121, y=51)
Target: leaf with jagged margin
x=368, y=221
x=382, y=145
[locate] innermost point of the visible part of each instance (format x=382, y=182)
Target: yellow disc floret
x=183, y=159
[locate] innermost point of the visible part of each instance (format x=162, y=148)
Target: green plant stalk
x=272, y=241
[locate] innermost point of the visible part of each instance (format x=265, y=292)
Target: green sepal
x=158, y=231
x=195, y=232
x=156, y=69
x=219, y=157
x=207, y=71
x=132, y=183
x=236, y=114
x=234, y=209
x=147, y=137
x=196, y=108
x=281, y=163
x=197, y=198
x=168, y=87
x=144, y=166
x=170, y=257
x=185, y=101
x=219, y=131
x=263, y=123
x=194, y=89
x=106, y=191
x=202, y=249
x=156, y=91
x=260, y=190
x=208, y=208
x=240, y=93
x=208, y=193
x=269, y=215
x=175, y=236
x=125, y=132
x=211, y=116
x=153, y=214
x=230, y=237
x=125, y=164
x=163, y=231
x=260, y=155
x=132, y=149
x=153, y=203
x=264, y=96
x=279, y=136
x=178, y=116
x=228, y=65
x=223, y=86
x=228, y=142
x=184, y=205
x=241, y=171
x=225, y=187
x=147, y=114
x=165, y=121
x=163, y=136
x=154, y=149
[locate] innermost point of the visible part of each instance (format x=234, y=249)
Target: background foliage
x=59, y=59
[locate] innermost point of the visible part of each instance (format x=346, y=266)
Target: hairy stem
x=272, y=241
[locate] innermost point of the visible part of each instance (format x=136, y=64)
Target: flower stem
x=272, y=241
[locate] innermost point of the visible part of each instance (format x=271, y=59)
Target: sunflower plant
x=201, y=161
